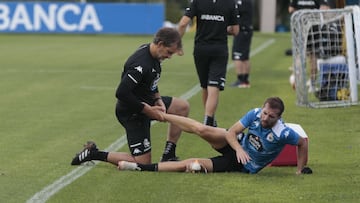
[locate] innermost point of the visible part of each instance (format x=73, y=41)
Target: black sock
x=214, y=123
x=241, y=77
x=208, y=120
x=246, y=77
x=169, y=151
x=100, y=155
x=148, y=167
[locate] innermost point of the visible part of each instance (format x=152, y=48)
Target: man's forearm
x=302, y=154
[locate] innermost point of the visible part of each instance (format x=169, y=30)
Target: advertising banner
x=86, y=18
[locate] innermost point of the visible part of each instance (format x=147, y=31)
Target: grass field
x=57, y=92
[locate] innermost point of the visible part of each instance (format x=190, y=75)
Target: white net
x=324, y=57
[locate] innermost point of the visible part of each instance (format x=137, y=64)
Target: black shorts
x=137, y=127
x=241, y=45
x=211, y=67
x=227, y=162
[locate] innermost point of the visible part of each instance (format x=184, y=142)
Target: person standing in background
x=311, y=48
x=295, y=5
x=214, y=21
x=308, y=4
x=242, y=43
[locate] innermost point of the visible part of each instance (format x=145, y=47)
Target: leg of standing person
x=210, y=93
x=240, y=56
x=211, y=100
x=216, y=73
x=242, y=70
x=313, y=72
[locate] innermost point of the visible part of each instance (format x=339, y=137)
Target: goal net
x=326, y=49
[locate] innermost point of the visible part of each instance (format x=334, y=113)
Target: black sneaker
x=288, y=52
x=240, y=84
x=244, y=85
x=236, y=83
x=86, y=154
x=175, y=158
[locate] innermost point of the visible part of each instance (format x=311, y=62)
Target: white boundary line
x=67, y=179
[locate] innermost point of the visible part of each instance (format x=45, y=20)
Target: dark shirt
x=212, y=19
x=139, y=81
x=245, y=8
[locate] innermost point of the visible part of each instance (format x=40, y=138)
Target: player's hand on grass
x=305, y=170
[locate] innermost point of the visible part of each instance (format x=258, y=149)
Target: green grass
x=57, y=91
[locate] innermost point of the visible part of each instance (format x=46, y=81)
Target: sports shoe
x=244, y=85
x=128, y=166
x=86, y=154
x=236, y=83
x=240, y=84
x=175, y=158
x=288, y=52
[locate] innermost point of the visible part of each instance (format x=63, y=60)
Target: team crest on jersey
x=255, y=142
x=139, y=68
x=286, y=133
x=155, y=82
x=270, y=137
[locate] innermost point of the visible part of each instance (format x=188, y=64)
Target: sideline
x=67, y=179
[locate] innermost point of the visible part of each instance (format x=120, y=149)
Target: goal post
x=356, y=18
x=326, y=52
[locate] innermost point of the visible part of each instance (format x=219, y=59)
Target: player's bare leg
x=183, y=166
x=205, y=165
x=213, y=135
x=178, y=107
x=210, y=100
x=115, y=157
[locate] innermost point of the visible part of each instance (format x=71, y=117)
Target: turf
x=57, y=92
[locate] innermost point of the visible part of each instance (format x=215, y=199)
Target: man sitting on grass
x=248, y=153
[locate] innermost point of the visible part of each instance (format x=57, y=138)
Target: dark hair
x=168, y=36
x=275, y=103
